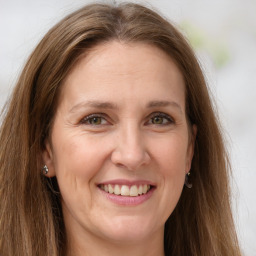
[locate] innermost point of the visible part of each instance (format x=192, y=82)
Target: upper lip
x=127, y=182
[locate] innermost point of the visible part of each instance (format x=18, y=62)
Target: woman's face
x=120, y=127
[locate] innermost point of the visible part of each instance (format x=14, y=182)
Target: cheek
x=171, y=154
x=170, y=158
x=76, y=161
x=76, y=154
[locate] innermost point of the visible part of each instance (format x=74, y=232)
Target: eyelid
x=163, y=115
x=85, y=119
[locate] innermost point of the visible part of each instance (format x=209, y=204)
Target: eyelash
x=161, y=115
x=86, y=120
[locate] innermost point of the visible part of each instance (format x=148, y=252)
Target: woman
x=109, y=117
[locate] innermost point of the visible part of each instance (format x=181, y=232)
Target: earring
x=187, y=184
x=45, y=169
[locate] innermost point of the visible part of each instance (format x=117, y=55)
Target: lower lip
x=128, y=200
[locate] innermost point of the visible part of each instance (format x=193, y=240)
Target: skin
x=140, y=134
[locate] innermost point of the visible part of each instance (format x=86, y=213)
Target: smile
x=125, y=190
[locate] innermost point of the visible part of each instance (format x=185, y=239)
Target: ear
x=191, y=146
x=47, y=158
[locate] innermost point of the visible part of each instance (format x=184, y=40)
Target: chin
x=130, y=229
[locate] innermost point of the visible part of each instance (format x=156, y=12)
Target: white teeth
x=110, y=189
x=117, y=190
x=144, y=189
x=106, y=188
x=134, y=190
x=140, y=190
x=125, y=190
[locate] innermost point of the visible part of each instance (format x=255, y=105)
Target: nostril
x=120, y=165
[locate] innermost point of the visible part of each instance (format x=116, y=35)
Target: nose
x=130, y=149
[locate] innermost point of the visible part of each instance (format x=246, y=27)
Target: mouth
x=126, y=190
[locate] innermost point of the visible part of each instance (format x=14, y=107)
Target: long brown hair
x=31, y=221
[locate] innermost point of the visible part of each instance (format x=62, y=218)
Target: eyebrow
x=93, y=104
x=109, y=105
x=157, y=103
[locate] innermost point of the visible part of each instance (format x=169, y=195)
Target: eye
x=94, y=119
x=160, y=119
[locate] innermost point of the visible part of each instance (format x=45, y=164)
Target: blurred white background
x=223, y=33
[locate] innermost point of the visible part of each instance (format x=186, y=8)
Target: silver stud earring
x=187, y=184
x=45, y=169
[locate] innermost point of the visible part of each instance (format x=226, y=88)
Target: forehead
x=122, y=69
